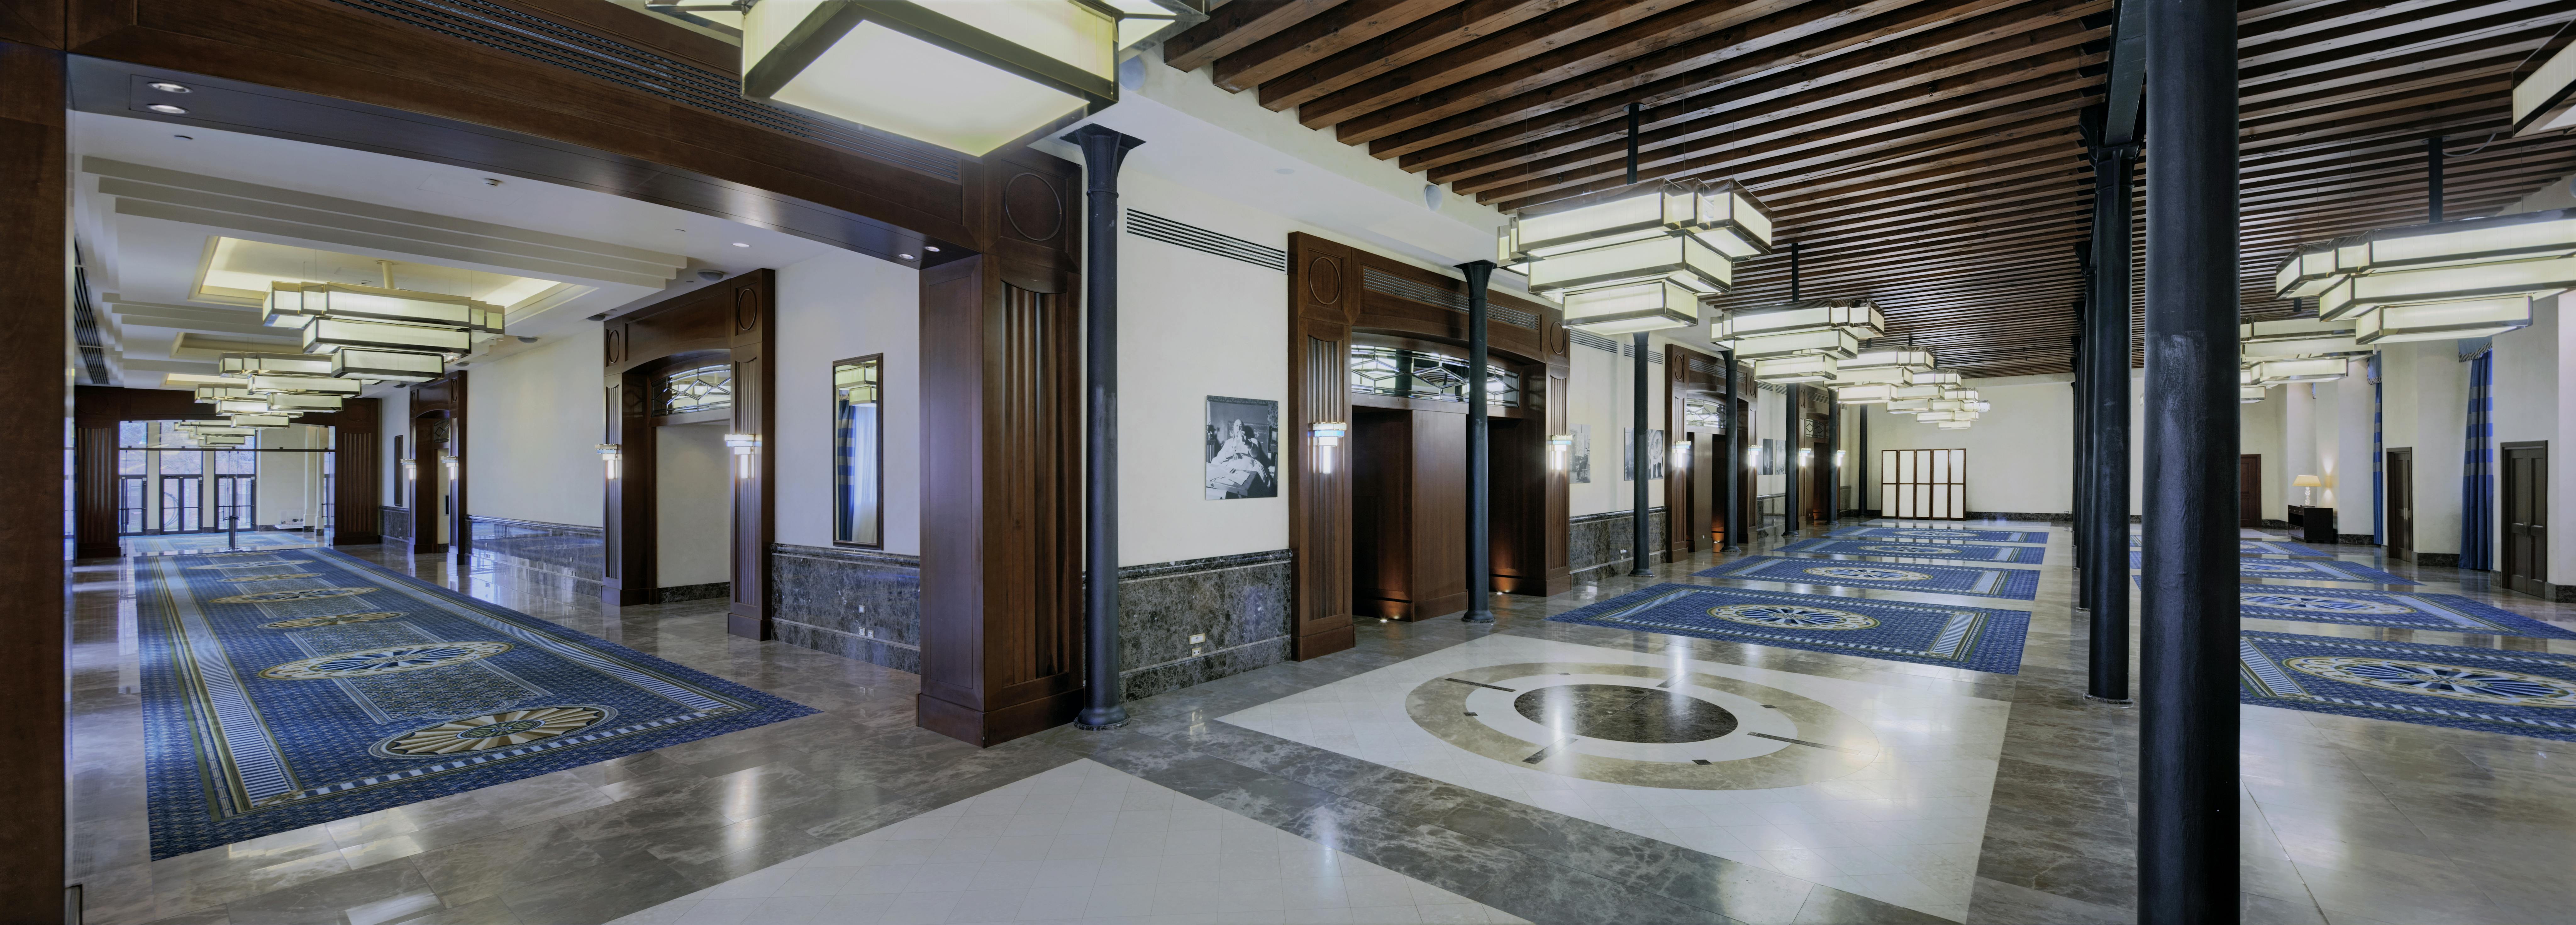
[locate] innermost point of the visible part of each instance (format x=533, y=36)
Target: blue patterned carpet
x=2456, y=687
x=2265, y=548
x=1929, y=634
x=2028, y=555
x=2449, y=612
x=1943, y=534
x=2018, y=584
x=2304, y=570
x=185, y=543
x=282, y=689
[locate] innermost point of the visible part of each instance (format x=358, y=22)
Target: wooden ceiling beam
x=1414, y=41
x=1316, y=38
x=1559, y=28
x=1887, y=107
x=2354, y=35
x=1234, y=26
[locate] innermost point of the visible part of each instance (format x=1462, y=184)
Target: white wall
x=2425, y=403
x=693, y=486
x=393, y=419
x=2348, y=462
x=2562, y=452
x=533, y=423
x=2259, y=433
x=839, y=306
x=2020, y=455
x=2525, y=400
x=1601, y=387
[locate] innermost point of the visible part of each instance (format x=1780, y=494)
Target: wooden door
x=2398, y=471
x=2526, y=517
x=1381, y=464
x=2249, y=490
x=1703, y=525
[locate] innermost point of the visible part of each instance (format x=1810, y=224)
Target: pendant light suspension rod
x=1640, y=464
x=2432, y=179
x=2188, y=724
x=1480, y=485
x=1103, y=150
x=1633, y=110
x=1793, y=271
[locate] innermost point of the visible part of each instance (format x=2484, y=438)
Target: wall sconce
x=1559, y=447
x=411, y=470
x=1753, y=457
x=1681, y=454
x=1838, y=459
x=608, y=456
x=1805, y=457
x=744, y=447
x=450, y=463
x=1327, y=436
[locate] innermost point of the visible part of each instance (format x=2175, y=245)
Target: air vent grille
x=1154, y=227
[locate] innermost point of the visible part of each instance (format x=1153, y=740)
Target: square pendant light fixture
x=1649, y=306
x=289, y=364
x=1866, y=393
x=1636, y=258
x=2357, y=294
x=1685, y=260
x=327, y=334
x=1803, y=367
x=2299, y=337
x=2443, y=320
x=296, y=403
x=303, y=385
x=387, y=365
x=1954, y=425
x=967, y=75
x=2299, y=369
x=2249, y=394
x=260, y=420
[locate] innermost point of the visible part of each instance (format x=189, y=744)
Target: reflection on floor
x=1081, y=842
x=2011, y=787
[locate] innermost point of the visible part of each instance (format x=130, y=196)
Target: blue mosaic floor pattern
x=1963, y=552
x=2265, y=548
x=189, y=543
x=1928, y=634
x=1942, y=534
x=2456, y=687
x=2449, y=612
x=2017, y=584
x=2303, y=570
x=284, y=688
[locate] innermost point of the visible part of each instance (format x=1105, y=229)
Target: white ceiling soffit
x=1226, y=145
x=154, y=192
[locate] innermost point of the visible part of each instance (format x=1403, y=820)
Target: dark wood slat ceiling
x=1923, y=153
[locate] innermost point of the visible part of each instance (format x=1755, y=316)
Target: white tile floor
x=1905, y=829
x=1041, y=850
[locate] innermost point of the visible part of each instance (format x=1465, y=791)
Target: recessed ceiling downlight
x=167, y=109
x=167, y=87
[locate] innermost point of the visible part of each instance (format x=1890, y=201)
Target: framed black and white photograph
x=1242, y=448
x=1628, y=454
x=1581, y=464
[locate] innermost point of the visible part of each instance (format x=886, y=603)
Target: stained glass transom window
x=1421, y=374
x=703, y=388
x=1698, y=414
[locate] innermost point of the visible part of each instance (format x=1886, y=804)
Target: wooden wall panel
x=1323, y=294
x=1439, y=514
x=357, y=482
x=35, y=285
x=752, y=341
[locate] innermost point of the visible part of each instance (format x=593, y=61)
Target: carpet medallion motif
x=339, y=688
x=2014, y=583
x=2449, y=612
x=2304, y=570
x=2458, y=687
x=1943, y=534
x=1931, y=634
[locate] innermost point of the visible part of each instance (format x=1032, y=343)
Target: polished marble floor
x=1990, y=798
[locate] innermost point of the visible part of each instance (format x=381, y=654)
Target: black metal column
x=1793, y=425
x=2083, y=457
x=1643, y=464
x=1730, y=464
x=1480, y=485
x=2187, y=742
x=1834, y=462
x=1103, y=150
x=2106, y=335
x=1860, y=455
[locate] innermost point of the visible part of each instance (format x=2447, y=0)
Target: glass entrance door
x=181, y=503
x=234, y=502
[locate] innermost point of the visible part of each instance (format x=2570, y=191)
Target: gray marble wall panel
x=1238, y=604
x=562, y=549
x=1596, y=540
x=855, y=603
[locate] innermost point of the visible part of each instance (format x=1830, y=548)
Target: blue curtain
x=2477, y=473
x=845, y=471
x=2378, y=461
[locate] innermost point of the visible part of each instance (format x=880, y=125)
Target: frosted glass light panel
x=968, y=75
x=858, y=452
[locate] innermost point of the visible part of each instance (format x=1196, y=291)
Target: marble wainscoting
x=571, y=550
x=394, y=524
x=855, y=603
x=1237, y=605
x=2035, y=516
x=1597, y=540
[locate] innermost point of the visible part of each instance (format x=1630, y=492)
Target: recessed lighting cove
x=167, y=109
x=904, y=256
x=740, y=244
x=167, y=87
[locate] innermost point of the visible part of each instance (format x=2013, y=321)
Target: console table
x=2312, y=524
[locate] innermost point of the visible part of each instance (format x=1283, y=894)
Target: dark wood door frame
x=2399, y=472
x=2249, y=491
x=441, y=400
x=1336, y=292
x=357, y=486
x=1688, y=374
x=731, y=321
x=2525, y=505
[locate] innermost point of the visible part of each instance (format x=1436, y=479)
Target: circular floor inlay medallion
x=1625, y=714
x=2484, y=685
x=1865, y=573
x=337, y=619
x=1793, y=616
x=388, y=660
x=1913, y=549
x=2322, y=604
x=494, y=730
x=299, y=594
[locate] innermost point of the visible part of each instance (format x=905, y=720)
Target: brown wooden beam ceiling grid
x=1924, y=153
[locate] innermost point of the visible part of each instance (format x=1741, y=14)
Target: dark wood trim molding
x=356, y=489
x=35, y=286
x=1681, y=381
x=1331, y=304
x=440, y=400
x=729, y=321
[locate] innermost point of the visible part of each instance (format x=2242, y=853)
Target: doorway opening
x=2526, y=517
x=2249, y=490
x=2399, y=472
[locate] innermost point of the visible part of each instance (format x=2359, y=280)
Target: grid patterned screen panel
x=1924, y=484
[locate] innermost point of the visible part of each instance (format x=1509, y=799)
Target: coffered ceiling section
x=1923, y=153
